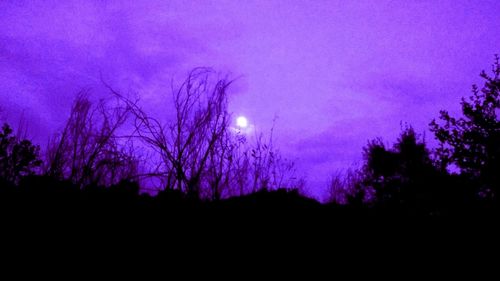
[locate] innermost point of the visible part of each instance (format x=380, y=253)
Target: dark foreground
x=56, y=221
x=42, y=197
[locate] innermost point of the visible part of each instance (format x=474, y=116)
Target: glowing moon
x=242, y=122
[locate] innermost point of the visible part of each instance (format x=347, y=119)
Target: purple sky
x=337, y=73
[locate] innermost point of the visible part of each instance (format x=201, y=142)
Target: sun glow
x=242, y=122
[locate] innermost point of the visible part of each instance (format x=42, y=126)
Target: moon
x=242, y=122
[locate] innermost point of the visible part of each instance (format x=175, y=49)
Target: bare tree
x=240, y=171
x=201, y=155
x=195, y=137
x=87, y=151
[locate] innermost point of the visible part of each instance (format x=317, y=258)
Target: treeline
x=196, y=152
x=460, y=176
x=108, y=150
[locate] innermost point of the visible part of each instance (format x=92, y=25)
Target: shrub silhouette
x=18, y=157
x=346, y=188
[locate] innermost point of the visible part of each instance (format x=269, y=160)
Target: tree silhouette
x=88, y=151
x=401, y=174
x=201, y=154
x=187, y=143
x=18, y=157
x=472, y=142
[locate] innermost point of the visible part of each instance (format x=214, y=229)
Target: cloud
x=51, y=50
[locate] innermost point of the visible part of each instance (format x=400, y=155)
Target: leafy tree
x=472, y=142
x=18, y=157
x=399, y=173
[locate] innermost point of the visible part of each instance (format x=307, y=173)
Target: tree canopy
x=472, y=142
x=18, y=157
